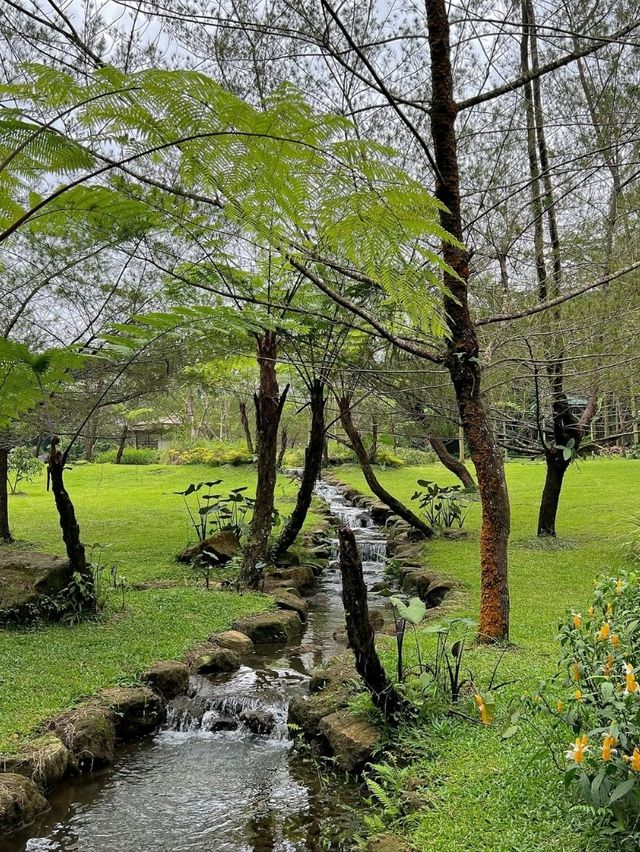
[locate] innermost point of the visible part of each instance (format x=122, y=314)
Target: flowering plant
x=596, y=695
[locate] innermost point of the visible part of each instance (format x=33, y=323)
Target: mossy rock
x=353, y=740
x=271, y=627
x=137, y=710
x=89, y=732
x=45, y=761
x=26, y=577
x=287, y=600
x=21, y=802
x=211, y=659
x=222, y=547
x=301, y=578
x=168, y=677
x=233, y=640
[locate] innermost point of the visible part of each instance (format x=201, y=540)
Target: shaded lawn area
x=132, y=511
x=486, y=794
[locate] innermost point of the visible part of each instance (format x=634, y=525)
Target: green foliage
x=22, y=466
x=212, y=513
x=131, y=455
x=385, y=457
x=443, y=506
x=595, y=699
x=214, y=455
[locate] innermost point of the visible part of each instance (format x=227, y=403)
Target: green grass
x=142, y=525
x=486, y=794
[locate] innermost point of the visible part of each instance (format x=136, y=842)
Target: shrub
x=23, y=467
x=385, y=457
x=415, y=457
x=443, y=506
x=594, y=704
x=215, y=455
x=130, y=456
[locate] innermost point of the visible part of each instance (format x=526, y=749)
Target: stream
x=206, y=781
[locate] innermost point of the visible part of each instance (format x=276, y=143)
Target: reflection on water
x=207, y=782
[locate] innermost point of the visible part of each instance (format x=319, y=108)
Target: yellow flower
x=559, y=706
x=630, y=678
x=580, y=746
x=615, y=640
x=575, y=671
x=577, y=695
x=604, y=632
x=577, y=620
x=619, y=585
x=591, y=611
x=609, y=609
x=608, y=666
x=635, y=760
x=608, y=744
x=486, y=717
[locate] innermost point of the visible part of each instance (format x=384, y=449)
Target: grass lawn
x=132, y=511
x=486, y=794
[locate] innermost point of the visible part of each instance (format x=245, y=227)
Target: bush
x=594, y=703
x=385, y=457
x=414, y=457
x=130, y=456
x=22, y=467
x=213, y=456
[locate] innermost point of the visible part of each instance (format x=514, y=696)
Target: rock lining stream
x=222, y=773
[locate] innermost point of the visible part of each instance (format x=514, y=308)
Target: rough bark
x=452, y=463
x=312, y=464
x=244, y=419
x=284, y=435
x=5, y=531
x=124, y=432
x=344, y=404
x=359, y=631
x=66, y=514
x=269, y=404
x=462, y=355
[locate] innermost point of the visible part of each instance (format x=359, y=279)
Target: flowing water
x=222, y=774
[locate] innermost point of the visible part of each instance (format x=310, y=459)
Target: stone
x=289, y=558
x=212, y=659
x=307, y=712
x=376, y=620
x=339, y=672
x=44, y=760
x=258, y=721
x=437, y=592
x=222, y=546
x=380, y=513
x=352, y=739
x=417, y=583
x=21, y=802
x=271, y=627
x=287, y=600
x=381, y=588
x=26, y=577
x=89, y=733
x=224, y=723
x=137, y=710
x=301, y=578
x=169, y=678
x=235, y=641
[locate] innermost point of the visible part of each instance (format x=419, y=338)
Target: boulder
x=339, y=672
x=233, y=640
x=26, y=577
x=270, y=627
x=258, y=721
x=89, y=733
x=307, y=712
x=380, y=513
x=287, y=600
x=376, y=620
x=20, y=802
x=137, y=710
x=417, y=583
x=301, y=578
x=44, y=760
x=219, y=548
x=211, y=659
x=352, y=739
x=437, y=592
x=169, y=678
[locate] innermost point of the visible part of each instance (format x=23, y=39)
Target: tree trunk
x=344, y=404
x=373, y=450
x=283, y=446
x=451, y=463
x=90, y=437
x=325, y=453
x=269, y=404
x=462, y=356
x=5, y=531
x=359, y=631
x=67, y=515
x=122, y=442
x=556, y=468
x=311, y=472
x=242, y=407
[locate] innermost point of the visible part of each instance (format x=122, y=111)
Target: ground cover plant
x=134, y=513
x=472, y=789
